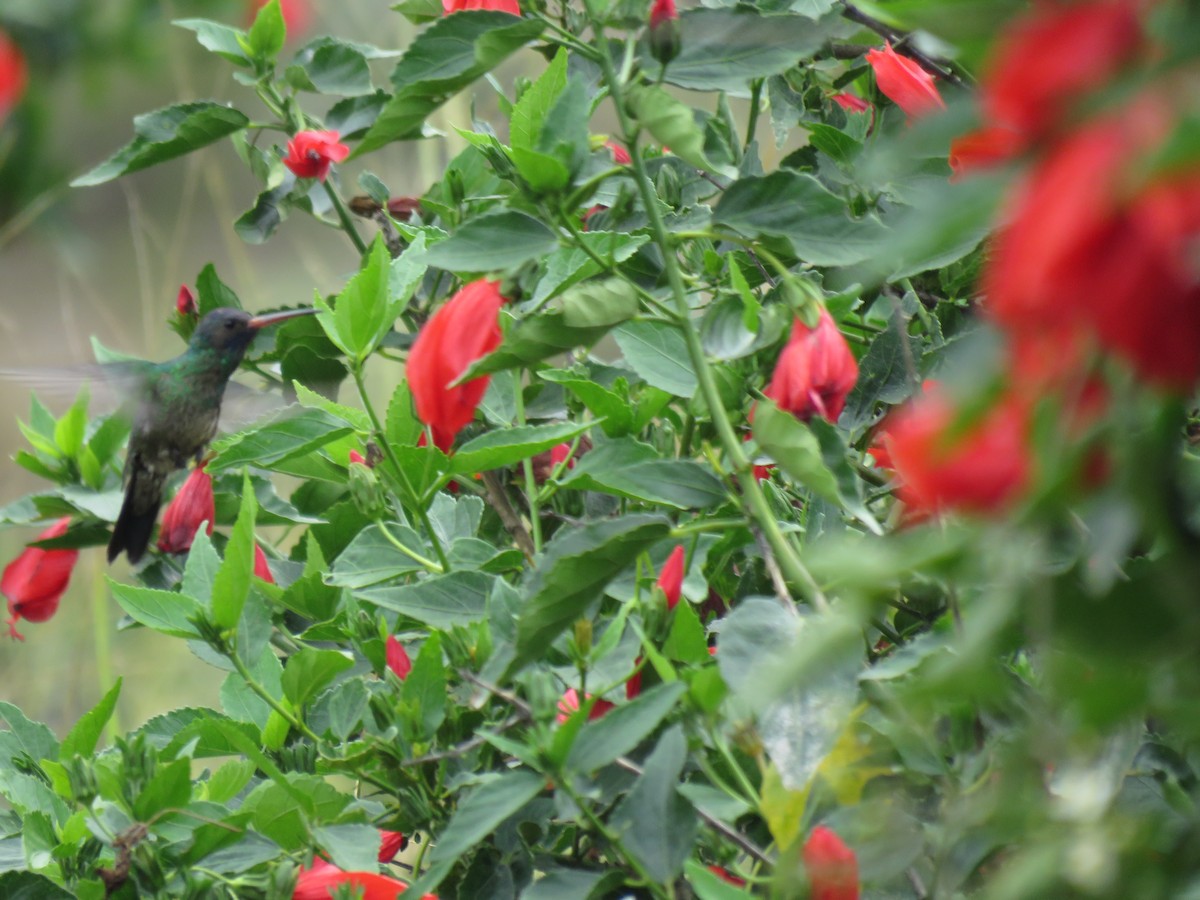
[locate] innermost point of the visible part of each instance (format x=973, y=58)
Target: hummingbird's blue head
x=228, y=331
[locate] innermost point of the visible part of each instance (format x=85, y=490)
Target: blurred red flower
x=619, y=154
x=311, y=153
x=725, y=876
x=35, y=581
x=904, y=82
x=397, y=657
x=1057, y=51
x=192, y=505
x=569, y=704
x=832, y=867
x=944, y=463
x=1090, y=244
x=670, y=579
x=815, y=372
x=983, y=148
x=13, y=75
x=664, y=31
x=462, y=331
x=512, y=7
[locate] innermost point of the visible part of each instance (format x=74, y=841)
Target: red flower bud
x=832, y=867
x=569, y=704
x=261, y=568
x=633, y=684
x=391, y=843
x=725, y=876
x=402, y=208
x=815, y=372
x=192, y=505
x=512, y=7
x=397, y=658
x=358, y=458
x=311, y=153
x=664, y=31
x=185, y=301
x=13, y=75
x=904, y=82
x=35, y=581
x=851, y=103
x=465, y=329
x=670, y=579
x=619, y=154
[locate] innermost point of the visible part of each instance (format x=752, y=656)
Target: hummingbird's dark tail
x=135, y=524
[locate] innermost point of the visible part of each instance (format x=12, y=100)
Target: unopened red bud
x=665, y=40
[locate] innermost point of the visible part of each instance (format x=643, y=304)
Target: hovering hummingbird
x=176, y=410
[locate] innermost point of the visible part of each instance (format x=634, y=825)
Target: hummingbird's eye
x=230, y=323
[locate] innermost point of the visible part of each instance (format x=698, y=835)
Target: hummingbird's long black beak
x=271, y=318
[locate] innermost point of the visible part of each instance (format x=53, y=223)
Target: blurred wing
x=244, y=405
x=110, y=386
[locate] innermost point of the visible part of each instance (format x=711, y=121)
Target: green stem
x=752, y=119
x=407, y=551
x=758, y=509
x=531, y=490
x=288, y=716
x=397, y=469
x=343, y=215
x=102, y=647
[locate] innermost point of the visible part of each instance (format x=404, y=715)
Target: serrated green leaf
x=223, y=40
x=632, y=469
x=572, y=573
x=308, y=671
x=672, y=123
x=371, y=557
x=164, y=611
x=166, y=134
x=510, y=445
x=657, y=351
x=231, y=584
x=288, y=435
x=441, y=602
x=425, y=687
x=268, y=32
x=620, y=730
x=499, y=240
x=84, y=735
x=525, y=124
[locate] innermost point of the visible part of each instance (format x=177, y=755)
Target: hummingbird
x=177, y=406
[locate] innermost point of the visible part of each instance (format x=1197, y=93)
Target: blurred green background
x=108, y=261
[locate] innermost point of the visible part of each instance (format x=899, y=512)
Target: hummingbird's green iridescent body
x=176, y=416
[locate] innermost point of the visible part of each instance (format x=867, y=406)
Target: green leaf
x=86, y=732
x=165, y=611
x=165, y=134
x=363, y=312
x=531, y=340
x=23, y=885
x=794, y=448
x=288, y=435
x=445, y=58
x=309, y=670
x=477, y=816
x=658, y=352
x=622, y=729
x=228, y=781
x=656, y=823
x=441, y=602
x=628, y=468
x=69, y=430
x=572, y=573
x=686, y=641
x=231, y=584
x=223, y=40
x=500, y=240
x=799, y=208
x=833, y=142
x=332, y=66
x=267, y=34
x=425, y=687
x=599, y=304
x=723, y=49
x=372, y=558
x=673, y=124
x=510, y=445
x=883, y=376
x=709, y=886
x=568, y=266
x=614, y=411
x=525, y=124
x=24, y=736
x=169, y=788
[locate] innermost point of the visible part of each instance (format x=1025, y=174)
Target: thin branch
x=462, y=749
x=508, y=516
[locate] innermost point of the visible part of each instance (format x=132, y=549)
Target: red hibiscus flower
x=261, y=568
x=670, y=579
x=462, y=331
x=35, y=581
x=319, y=881
x=851, y=103
x=983, y=148
x=904, y=82
x=397, y=658
x=193, y=505
x=815, y=372
x=390, y=843
x=832, y=867
x=311, y=153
